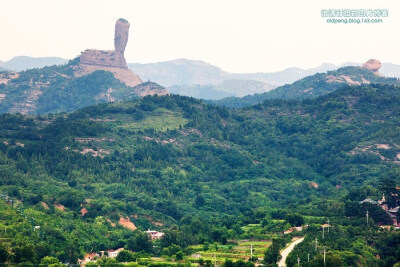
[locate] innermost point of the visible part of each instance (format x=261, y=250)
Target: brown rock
x=123, y=74
x=121, y=35
x=114, y=62
x=103, y=58
x=127, y=223
x=372, y=65
x=110, y=58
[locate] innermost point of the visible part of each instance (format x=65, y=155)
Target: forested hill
x=172, y=160
x=312, y=86
x=57, y=89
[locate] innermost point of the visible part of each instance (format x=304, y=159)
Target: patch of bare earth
x=127, y=223
x=191, y=131
x=92, y=139
x=382, y=146
x=112, y=224
x=59, y=207
x=345, y=79
x=95, y=153
x=45, y=206
x=83, y=211
x=8, y=77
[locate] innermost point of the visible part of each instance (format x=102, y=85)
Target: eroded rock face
x=114, y=62
x=110, y=60
x=103, y=58
x=372, y=65
x=121, y=35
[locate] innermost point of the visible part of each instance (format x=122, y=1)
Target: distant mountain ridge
x=313, y=86
x=203, y=80
x=21, y=63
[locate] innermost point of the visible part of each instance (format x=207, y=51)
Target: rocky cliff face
x=110, y=60
x=103, y=58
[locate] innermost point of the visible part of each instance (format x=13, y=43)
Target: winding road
x=287, y=250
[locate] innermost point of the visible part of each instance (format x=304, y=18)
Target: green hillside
x=312, y=86
x=201, y=173
x=57, y=89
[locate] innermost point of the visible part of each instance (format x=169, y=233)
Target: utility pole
x=215, y=260
x=324, y=255
x=323, y=232
x=251, y=251
x=328, y=225
x=367, y=217
x=298, y=261
x=308, y=257
x=316, y=243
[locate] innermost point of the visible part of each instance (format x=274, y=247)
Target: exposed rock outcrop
x=121, y=35
x=103, y=58
x=110, y=60
x=372, y=65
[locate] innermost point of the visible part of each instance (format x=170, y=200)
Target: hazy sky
x=238, y=36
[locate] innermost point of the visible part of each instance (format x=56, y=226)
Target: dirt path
x=287, y=250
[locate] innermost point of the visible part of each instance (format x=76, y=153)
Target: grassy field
x=162, y=120
x=241, y=251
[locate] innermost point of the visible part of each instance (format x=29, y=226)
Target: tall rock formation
x=112, y=60
x=121, y=35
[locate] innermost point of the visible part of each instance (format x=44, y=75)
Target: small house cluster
x=113, y=253
x=393, y=212
x=154, y=234
x=93, y=256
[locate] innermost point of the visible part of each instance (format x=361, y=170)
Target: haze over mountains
x=202, y=80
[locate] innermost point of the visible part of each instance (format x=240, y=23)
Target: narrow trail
x=287, y=250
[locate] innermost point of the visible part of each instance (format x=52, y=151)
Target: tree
x=125, y=256
x=3, y=253
x=272, y=254
x=295, y=219
x=24, y=253
x=49, y=260
x=140, y=241
x=179, y=256
x=332, y=260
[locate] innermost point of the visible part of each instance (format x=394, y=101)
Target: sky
x=235, y=35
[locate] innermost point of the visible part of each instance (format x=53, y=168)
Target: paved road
x=287, y=250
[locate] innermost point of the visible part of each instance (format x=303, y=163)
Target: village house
x=392, y=213
x=93, y=256
x=114, y=253
x=88, y=258
x=154, y=234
